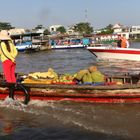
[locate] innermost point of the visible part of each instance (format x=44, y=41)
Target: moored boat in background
x=67, y=46
x=27, y=47
x=24, y=42
x=67, y=43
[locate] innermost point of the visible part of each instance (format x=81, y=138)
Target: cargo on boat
x=112, y=91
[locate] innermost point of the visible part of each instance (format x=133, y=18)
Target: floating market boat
x=110, y=52
x=67, y=46
x=66, y=43
x=127, y=91
x=27, y=47
x=24, y=42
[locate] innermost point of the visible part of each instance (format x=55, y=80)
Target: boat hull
x=67, y=46
x=93, y=94
x=115, y=53
x=28, y=48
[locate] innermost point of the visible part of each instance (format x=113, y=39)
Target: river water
x=67, y=120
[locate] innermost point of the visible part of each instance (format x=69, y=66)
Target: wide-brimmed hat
x=4, y=35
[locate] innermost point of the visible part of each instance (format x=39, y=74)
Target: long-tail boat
x=126, y=92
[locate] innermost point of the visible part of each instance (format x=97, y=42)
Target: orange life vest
x=123, y=43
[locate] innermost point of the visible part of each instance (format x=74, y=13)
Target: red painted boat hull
x=103, y=97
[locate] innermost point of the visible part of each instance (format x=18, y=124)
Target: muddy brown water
x=67, y=120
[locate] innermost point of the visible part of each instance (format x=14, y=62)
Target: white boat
x=24, y=42
x=67, y=46
x=27, y=47
x=68, y=43
x=110, y=52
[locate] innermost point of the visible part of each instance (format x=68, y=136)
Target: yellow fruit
x=119, y=83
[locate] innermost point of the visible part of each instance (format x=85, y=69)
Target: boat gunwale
x=83, y=87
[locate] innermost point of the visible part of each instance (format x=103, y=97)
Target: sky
x=99, y=13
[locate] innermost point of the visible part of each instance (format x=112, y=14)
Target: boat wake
x=13, y=104
x=76, y=115
x=87, y=117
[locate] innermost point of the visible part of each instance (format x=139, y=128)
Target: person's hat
x=4, y=35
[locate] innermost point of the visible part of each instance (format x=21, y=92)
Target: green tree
x=108, y=29
x=61, y=29
x=110, y=26
x=5, y=26
x=46, y=32
x=83, y=28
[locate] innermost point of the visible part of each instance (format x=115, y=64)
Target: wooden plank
x=84, y=87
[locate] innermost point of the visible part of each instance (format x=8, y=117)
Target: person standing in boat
x=119, y=41
x=8, y=53
x=122, y=42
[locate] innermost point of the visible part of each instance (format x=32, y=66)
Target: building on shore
x=135, y=32
x=53, y=28
x=132, y=32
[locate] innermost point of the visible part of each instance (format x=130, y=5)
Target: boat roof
x=29, y=34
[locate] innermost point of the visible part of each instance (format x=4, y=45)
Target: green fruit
x=97, y=76
x=87, y=78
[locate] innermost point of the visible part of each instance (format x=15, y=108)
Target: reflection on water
x=65, y=120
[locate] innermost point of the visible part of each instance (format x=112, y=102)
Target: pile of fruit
x=88, y=76
x=50, y=77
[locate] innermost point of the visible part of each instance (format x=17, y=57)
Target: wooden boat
x=128, y=92
x=110, y=52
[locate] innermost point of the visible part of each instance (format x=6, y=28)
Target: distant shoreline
x=135, y=40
